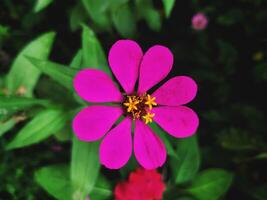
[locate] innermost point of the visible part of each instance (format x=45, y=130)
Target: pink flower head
x=199, y=21
x=165, y=106
x=142, y=185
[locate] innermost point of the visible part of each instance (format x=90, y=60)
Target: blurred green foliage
x=43, y=43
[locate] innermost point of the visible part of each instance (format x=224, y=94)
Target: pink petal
x=149, y=150
x=91, y=123
x=124, y=59
x=156, y=65
x=116, y=148
x=179, y=121
x=93, y=85
x=177, y=91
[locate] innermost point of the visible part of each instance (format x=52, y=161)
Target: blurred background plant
x=44, y=42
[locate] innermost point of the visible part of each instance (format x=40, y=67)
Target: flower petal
x=116, y=147
x=149, y=150
x=179, y=121
x=124, y=60
x=91, y=123
x=156, y=65
x=176, y=91
x=93, y=85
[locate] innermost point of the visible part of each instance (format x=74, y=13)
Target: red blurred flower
x=142, y=185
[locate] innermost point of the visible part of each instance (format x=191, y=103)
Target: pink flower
x=199, y=21
x=164, y=106
x=142, y=185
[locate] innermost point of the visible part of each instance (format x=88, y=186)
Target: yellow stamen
x=148, y=117
x=131, y=104
x=150, y=101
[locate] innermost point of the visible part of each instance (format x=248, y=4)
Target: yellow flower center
x=140, y=107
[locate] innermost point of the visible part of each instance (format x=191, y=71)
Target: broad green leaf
x=84, y=167
x=153, y=19
x=76, y=62
x=43, y=125
x=96, y=9
x=163, y=135
x=7, y=125
x=102, y=190
x=124, y=20
x=41, y=4
x=93, y=54
x=60, y=73
x=146, y=10
x=55, y=180
x=22, y=72
x=187, y=164
x=210, y=184
x=77, y=17
x=12, y=103
x=168, y=6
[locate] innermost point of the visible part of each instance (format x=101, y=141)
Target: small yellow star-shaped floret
x=150, y=101
x=148, y=117
x=131, y=104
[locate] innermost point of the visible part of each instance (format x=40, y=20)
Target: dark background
x=231, y=100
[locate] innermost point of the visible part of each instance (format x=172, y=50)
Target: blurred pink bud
x=199, y=21
x=87, y=198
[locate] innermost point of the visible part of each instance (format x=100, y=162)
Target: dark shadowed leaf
x=210, y=184
x=96, y=9
x=124, y=20
x=168, y=6
x=41, y=4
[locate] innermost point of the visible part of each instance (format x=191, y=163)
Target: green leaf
x=43, y=125
x=124, y=20
x=41, y=4
x=187, y=165
x=164, y=136
x=78, y=16
x=4, y=34
x=22, y=72
x=93, y=54
x=6, y=126
x=260, y=156
x=168, y=6
x=102, y=189
x=60, y=73
x=240, y=140
x=84, y=167
x=146, y=10
x=76, y=62
x=12, y=104
x=55, y=180
x=153, y=19
x=96, y=9
x=210, y=184
x=260, y=193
